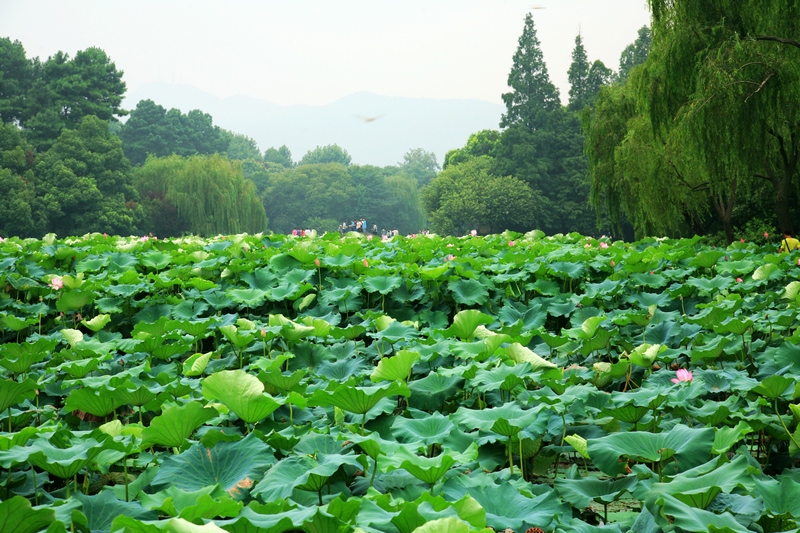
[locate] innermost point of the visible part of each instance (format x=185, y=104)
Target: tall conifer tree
x=532, y=93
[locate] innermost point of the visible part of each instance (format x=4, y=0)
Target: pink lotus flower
x=682, y=375
x=450, y=257
x=473, y=233
x=316, y=262
x=603, y=245
x=613, y=263
x=450, y=245
x=56, y=283
x=738, y=280
x=144, y=238
x=587, y=245
x=366, y=263
x=263, y=333
x=369, y=237
x=741, y=240
x=766, y=235
x=105, y=235
x=511, y=243
x=798, y=261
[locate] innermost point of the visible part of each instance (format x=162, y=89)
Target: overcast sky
x=316, y=51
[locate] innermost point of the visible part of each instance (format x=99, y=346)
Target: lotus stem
x=521, y=461
x=780, y=419
x=125, y=471
x=374, y=471
x=35, y=487
x=510, y=457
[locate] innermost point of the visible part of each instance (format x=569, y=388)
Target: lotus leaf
x=17, y=515
x=395, y=368
x=241, y=393
x=176, y=424
x=688, y=446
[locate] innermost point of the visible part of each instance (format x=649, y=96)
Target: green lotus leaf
x=74, y=300
x=176, y=424
x=205, y=503
x=506, y=507
x=240, y=340
x=95, y=402
x=774, y=386
x=277, y=382
x=430, y=392
x=248, y=297
x=100, y=510
x=468, y=291
x=521, y=354
x=155, y=259
x=507, y=420
x=13, y=392
x=428, y=469
x=706, y=259
x=358, y=400
x=567, y=270
x=444, y=525
x=17, y=515
x=382, y=284
x=781, y=495
x=129, y=394
x=97, y=323
x=580, y=445
x=734, y=325
x=395, y=368
x=466, y=322
x=688, y=446
x=196, y=364
x=432, y=429
x=503, y=377
x=767, y=271
x=173, y=525
x=672, y=511
x=19, y=357
x=645, y=354
x=581, y=492
x=234, y=465
x=73, y=336
x=65, y=462
x=301, y=472
x=241, y=393
x=709, y=351
x=266, y=518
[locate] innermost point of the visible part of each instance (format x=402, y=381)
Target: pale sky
x=317, y=51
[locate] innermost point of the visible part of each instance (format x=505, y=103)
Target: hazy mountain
x=374, y=129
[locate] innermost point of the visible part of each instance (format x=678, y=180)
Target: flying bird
x=368, y=119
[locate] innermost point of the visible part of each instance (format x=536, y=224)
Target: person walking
x=789, y=243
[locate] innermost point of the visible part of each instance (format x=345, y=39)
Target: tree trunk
x=724, y=208
x=782, y=180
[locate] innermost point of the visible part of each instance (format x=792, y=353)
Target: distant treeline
x=69, y=165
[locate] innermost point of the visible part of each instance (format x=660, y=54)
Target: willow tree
x=209, y=194
x=724, y=77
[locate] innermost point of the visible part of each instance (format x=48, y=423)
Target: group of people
x=359, y=225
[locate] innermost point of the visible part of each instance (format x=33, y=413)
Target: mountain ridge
x=374, y=129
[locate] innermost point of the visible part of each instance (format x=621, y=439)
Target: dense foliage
x=710, y=119
x=271, y=384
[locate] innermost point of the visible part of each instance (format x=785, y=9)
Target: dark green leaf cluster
x=340, y=384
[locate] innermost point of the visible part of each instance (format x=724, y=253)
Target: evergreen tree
x=580, y=92
x=83, y=183
x=634, y=54
x=16, y=76
x=532, y=94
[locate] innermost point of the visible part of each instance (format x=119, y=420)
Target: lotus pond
x=262, y=384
